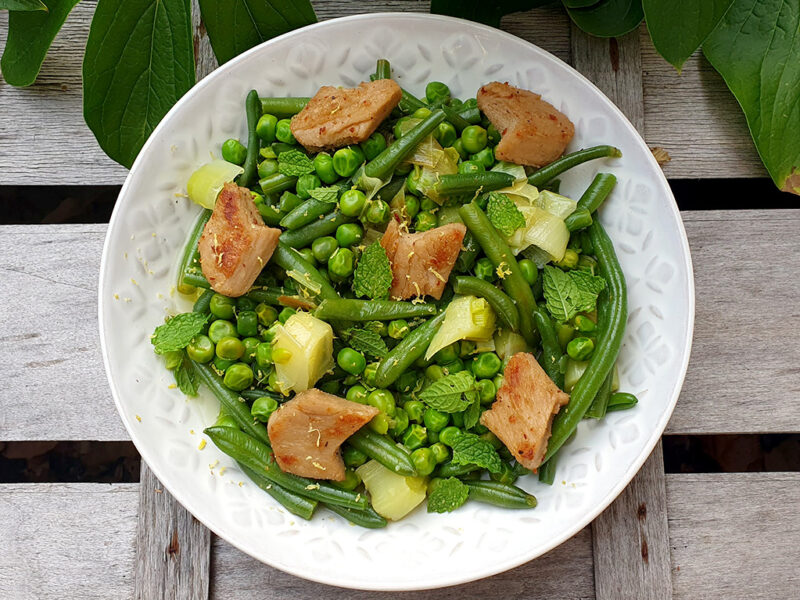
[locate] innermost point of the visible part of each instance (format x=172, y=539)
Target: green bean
x=252, y=395
x=580, y=219
x=258, y=456
x=289, y=260
x=451, y=469
x=500, y=494
x=621, y=401
x=495, y=247
x=372, y=310
x=503, y=305
x=302, y=237
x=253, y=110
x=294, y=503
x=277, y=183
x=547, y=470
x=551, y=348
x=558, y=166
x=459, y=122
x=612, y=313
x=383, y=70
x=203, y=303
x=383, y=449
x=599, y=405
x=308, y=212
x=365, y=517
x=410, y=103
x=382, y=165
x=591, y=200
x=283, y=108
x=189, y=262
x=402, y=356
x=470, y=183
x=230, y=402
x=390, y=190
x=267, y=296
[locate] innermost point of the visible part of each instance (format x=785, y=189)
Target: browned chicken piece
x=421, y=262
x=337, y=117
x=532, y=132
x=307, y=431
x=235, y=244
x=526, y=404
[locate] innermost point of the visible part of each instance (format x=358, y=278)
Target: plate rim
x=495, y=568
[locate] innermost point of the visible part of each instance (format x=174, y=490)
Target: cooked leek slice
x=507, y=343
x=518, y=171
x=543, y=230
x=308, y=342
x=556, y=204
x=465, y=318
x=206, y=183
x=393, y=496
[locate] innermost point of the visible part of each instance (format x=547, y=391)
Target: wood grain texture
x=204, y=59
x=564, y=573
x=734, y=535
x=631, y=539
x=172, y=547
x=67, y=540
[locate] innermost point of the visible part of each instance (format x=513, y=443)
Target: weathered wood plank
x=734, y=535
x=566, y=573
x=71, y=540
x=172, y=547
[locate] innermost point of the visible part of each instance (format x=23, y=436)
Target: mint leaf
x=186, y=377
x=504, y=214
x=373, y=275
x=447, y=495
x=469, y=449
x=559, y=291
x=294, y=163
x=473, y=413
x=588, y=287
x=23, y=5
x=611, y=18
x=325, y=194
x=176, y=333
x=448, y=394
x=367, y=342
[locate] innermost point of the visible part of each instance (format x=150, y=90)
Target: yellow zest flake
x=241, y=483
x=158, y=491
x=437, y=274
x=127, y=299
x=502, y=272
x=222, y=471
x=116, y=296
x=358, y=497
x=319, y=466
x=125, y=256
x=416, y=287
x=154, y=233
x=410, y=254
x=160, y=296
x=214, y=464
x=171, y=386
x=134, y=282
x=191, y=431
x=313, y=486
x=202, y=445
x=311, y=429
x=138, y=418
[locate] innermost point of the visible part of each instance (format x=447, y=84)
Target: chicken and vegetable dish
x=393, y=302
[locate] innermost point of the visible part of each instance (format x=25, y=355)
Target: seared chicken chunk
x=421, y=262
x=307, y=431
x=526, y=404
x=235, y=244
x=532, y=131
x=336, y=117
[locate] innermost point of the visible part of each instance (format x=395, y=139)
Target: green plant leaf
x=756, y=49
x=489, y=13
x=447, y=495
x=139, y=61
x=29, y=37
x=177, y=333
x=449, y=394
x=237, y=25
x=373, y=275
x=469, y=449
x=24, y=5
x=608, y=18
x=679, y=27
x=579, y=3
x=366, y=341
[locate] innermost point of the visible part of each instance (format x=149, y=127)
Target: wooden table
x=726, y=535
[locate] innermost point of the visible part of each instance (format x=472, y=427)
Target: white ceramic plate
x=150, y=224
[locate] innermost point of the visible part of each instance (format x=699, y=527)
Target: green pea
x=584, y=324
x=399, y=126
x=283, y=132
x=435, y=420
x=415, y=436
x=433, y=438
x=285, y=313
x=458, y=145
x=570, y=260
x=415, y=410
x=322, y=248
x=350, y=482
x=323, y=166
x=230, y=348
x=234, y=152
x=440, y=451
x=353, y=457
x=497, y=380
x=427, y=204
x=470, y=166
x=265, y=128
x=269, y=334
x=447, y=354
x=484, y=269
x=267, y=167
x=434, y=373
x=378, y=212
x=238, y=376
x=412, y=183
x=247, y=323
x=341, y=263
x=264, y=355
x=221, y=306
x=486, y=390
x=281, y=355
x=263, y=407
x=445, y=134
x=486, y=365
x=455, y=103
x=380, y=423
x=580, y=348
x=492, y=134
x=250, y=347
x=306, y=183
x=398, y=329
x=357, y=393
x=330, y=387
x=373, y=146
x=347, y=160
x=411, y=205
x=308, y=255
x=400, y=422
x=351, y=361
x=424, y=461
x=564, y=332
x=436, y=91
x=424, y=221
x=220, y=364
x=529, y=271
x=266, y=314
x=474, y=138
x=221, y=329
x=485, y=157
x=352, y=203
x=455, y=366
x=449, y=435
x=421, y=113
x=200, y=349
x=383, y=400
x=349, y=234
x=369, y=374
x=406, y=382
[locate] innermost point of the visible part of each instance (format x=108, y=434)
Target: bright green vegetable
x=233, y=151
x=366, y=517
x=283, y=107
x=189, y=264
x=294, y=503
x=220, y=329
x=340, y=264
x=247, y=323
x=558, y=166
x=551, y=349
x=466, y=317
x=323, y=166
x=500, y=494
x=383, y=449
x=486, y=365
x=382, y=165
x=230, y=348
x=485, y=158
x=200, y=349
x=265, y=128
x=424, y=221
x=373, y=145
x=349, y=234
x=580, y=348
x=415, y=437
x=283, y=132
x=474, y=138
x=352, y=203
x=253, y=111
x=351, y=361
x=621, y=401
x=277, y=183
x=222, y=307
x=264, y=407
x=346, y=161
x=599, y=405
x=407, y=352
x=470, y=183
x=306, y=183
x=371, y=310
x=304, y=236
x=591, y=200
